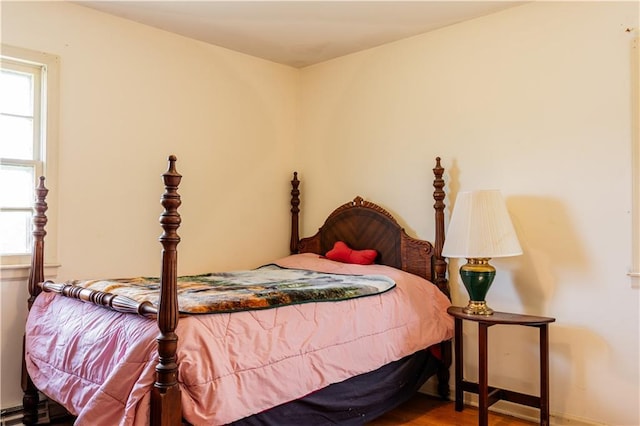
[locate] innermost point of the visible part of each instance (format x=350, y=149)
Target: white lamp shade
x=481, y=227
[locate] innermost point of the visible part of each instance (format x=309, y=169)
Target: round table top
x=499, y=317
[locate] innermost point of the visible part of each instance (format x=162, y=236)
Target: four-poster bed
x=360, y=224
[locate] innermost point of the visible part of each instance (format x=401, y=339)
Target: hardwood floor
x=423, y=410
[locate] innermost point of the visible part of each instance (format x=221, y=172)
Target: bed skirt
x=355, y=401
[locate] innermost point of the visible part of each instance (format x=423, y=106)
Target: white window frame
x=635, y=158
x=16, y=266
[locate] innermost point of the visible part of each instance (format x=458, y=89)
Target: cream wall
x=534, y=101
x=130, y=96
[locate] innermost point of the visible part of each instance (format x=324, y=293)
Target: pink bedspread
x=100, y=364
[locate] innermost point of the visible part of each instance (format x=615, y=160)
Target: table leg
x=483, y=376
x=544, y=375
x=459, y=365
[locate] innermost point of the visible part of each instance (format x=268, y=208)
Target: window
x=28, y=112
x=635, y=154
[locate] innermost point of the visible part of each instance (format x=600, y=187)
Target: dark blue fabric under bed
x=355, y=401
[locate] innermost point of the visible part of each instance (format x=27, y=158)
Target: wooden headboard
x=365, y=225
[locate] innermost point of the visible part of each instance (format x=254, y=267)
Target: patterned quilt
x=266, y=287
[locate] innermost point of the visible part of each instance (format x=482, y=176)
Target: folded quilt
x=266, y=287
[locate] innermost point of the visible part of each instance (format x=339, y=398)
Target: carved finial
x=41, y=195
x=172, y=166
x=170, y=218
x=295, y=192
x=438, y=170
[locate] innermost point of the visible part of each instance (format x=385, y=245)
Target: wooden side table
x=489, y=395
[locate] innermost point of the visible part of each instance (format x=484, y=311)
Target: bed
x=335, y=362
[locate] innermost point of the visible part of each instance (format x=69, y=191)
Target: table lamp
x=480, y=229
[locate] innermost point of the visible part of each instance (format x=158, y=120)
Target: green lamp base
x=477, y=276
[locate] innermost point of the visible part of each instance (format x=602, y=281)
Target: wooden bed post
x=166, y=408
x=295, y=203
x=440, y=272
x=36, y=274
x=440, y=264
x=30, y=398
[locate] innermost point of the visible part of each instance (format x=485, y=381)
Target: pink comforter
x=100, y=364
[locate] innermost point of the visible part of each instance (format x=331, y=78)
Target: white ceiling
x=299, y=33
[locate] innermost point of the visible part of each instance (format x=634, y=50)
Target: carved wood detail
x=107, y=300
x=30, y=397
x=440, y=274
x=358, y=201
x=295, y=209
x=165, y=397
x=36, y=273
x=440, y=264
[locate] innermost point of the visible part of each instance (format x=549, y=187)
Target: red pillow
x=342, y=253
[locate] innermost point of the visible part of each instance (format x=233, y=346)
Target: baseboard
x=514, y=410
x=532, y=414
x=48, y=411
x=13, y=416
